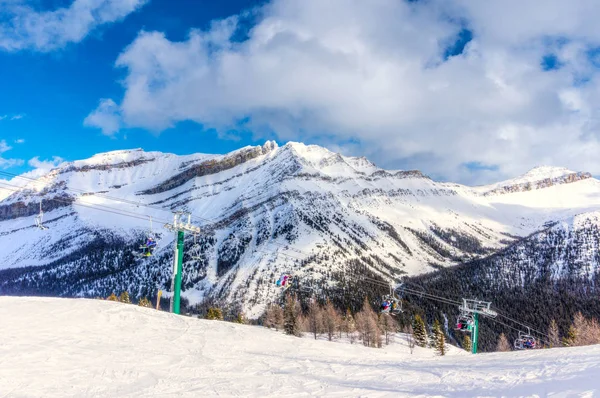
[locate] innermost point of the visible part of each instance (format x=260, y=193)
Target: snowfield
x=90, y=348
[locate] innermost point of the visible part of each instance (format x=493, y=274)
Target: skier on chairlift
x=283, y=280
x=386, y=305
x=148, y=247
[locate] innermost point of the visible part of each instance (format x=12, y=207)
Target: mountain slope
x=263, y=211
x=90, y=348
x=550, y=275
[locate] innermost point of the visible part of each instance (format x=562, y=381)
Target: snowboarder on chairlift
x=385, y=305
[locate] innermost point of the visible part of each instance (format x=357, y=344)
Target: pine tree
x=240, y=318
x=553, y=335
x=144, y=302
x=440, y=339
x=112, y=297
x=419, y=331
x=124, y=298
x=503, y=344
x=467, y=343
x=215, y=314
x=569, y=339
x=291, y=316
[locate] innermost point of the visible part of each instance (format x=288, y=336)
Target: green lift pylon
x=475, y=308
x=475, y=333
x=179, y=227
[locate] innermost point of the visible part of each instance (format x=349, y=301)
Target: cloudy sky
x=465, y=90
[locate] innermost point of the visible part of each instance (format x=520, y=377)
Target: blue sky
x=53, y=92
x=448, y=87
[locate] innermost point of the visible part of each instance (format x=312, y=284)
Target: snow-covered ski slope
x=89, y=348
x=263, y=210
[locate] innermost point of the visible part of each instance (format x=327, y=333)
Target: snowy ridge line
x=83, y=192
x=108, y=209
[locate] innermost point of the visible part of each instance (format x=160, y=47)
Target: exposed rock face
x=211, y=167
x=539, y=184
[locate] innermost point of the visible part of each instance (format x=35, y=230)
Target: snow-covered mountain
x=263, y=210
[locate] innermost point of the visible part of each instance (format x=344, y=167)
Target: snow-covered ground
x=87, y=348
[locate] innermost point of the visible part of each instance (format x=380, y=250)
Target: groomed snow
x=91, y=348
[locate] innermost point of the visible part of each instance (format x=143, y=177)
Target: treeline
x=371, y=328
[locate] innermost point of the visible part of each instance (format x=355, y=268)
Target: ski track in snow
x=90, y=348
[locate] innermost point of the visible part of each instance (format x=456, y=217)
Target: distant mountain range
x=297, y=208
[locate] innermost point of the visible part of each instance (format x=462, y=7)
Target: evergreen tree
x=291, y=316
x=144, y=302
x=112, y=297
x=240, y=318
x=439, y=338
x=503, y=344
x=569, y=339
x=419, y=331
x=553, y=335
x=215, y=314
x=467, y=343
x=124, y=298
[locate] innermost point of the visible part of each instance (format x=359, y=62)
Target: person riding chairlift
x=283, y=280
x=386, y=306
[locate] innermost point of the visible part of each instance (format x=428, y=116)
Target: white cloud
x=7, y=163
x=373, y=72
x=19, y=141
x=45, y=165
x=106, y=117
x=17, y=117
x=25, y=28
x=2, y=117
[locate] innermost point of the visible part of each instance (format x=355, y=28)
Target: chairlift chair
x=464, y=323
x=391, y=304
x=525, y=341
x=39, y=219
x=150, y=244
x=196, y=249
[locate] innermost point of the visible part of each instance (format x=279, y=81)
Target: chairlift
x=284, y=281
x=39, y=219
x=150, y=244
x=196, y=249
x=392, y=304
x=525, y=341
x=465, y=323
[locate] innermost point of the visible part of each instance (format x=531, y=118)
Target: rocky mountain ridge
x=263, y=210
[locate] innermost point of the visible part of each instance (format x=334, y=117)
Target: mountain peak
x=541, y=172
x=537, y=178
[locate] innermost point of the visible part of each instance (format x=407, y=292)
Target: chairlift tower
x=475, y=308
x=179, y=227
